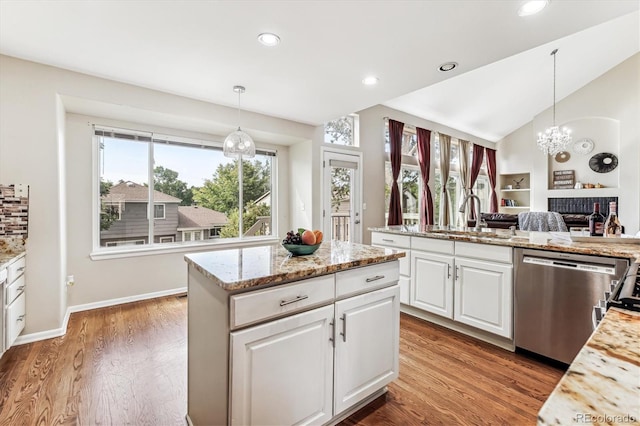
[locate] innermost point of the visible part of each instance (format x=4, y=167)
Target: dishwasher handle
x=570, y=264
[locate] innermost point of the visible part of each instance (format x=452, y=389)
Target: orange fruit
x=318, y=234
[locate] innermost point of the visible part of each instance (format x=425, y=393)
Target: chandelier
x=239, y=144
x=554, y=139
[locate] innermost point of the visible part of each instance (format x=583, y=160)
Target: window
x=183, y=173
x=158, y=211
x=410, y=182
x=342, y=131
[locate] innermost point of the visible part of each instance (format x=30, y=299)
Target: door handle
x=457, y=272
x=357, y=221
x=448, y=271
x=343, y=318
x=332, y=339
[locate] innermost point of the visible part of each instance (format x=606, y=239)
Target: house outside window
x=194, y=187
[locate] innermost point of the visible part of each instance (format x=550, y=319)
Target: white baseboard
x=57, y=332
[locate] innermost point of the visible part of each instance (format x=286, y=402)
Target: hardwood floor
x=127, y=365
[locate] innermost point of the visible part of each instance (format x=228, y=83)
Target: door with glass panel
x=341, y=205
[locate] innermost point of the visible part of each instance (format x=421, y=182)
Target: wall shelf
x=521, y=197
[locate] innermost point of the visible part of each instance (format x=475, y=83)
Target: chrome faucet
x=479, y=222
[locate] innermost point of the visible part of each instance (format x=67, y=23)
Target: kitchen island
x=275, y=339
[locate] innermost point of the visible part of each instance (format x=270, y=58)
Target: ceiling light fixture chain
x=554, y=140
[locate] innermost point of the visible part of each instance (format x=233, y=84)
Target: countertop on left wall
x=10, y=248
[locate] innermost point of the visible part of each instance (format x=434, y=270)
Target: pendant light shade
x=554, y=140
x=239, y=143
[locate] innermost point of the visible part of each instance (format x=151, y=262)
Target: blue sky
x=127, y=160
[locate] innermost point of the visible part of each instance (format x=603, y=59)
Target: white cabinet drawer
x=484, y=251
x=390, y=240
x=14, y=289
x=256, y=306
x=15, y=320
x=432, y=245
x=367, y=278
x=3, y=275
x=16, y=269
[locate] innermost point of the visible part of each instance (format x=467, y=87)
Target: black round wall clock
x=603, y=162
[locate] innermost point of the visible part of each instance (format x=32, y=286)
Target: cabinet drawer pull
x=376, y=278
x=294, y=300
x=386, y=240
x=20, y=318
x=20, y=269
x=20, y=288
x=343, y=318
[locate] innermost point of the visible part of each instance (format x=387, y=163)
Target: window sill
x=168, y=248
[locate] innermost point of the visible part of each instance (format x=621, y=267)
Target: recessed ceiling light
x=532, y=7
x=269, y=39
x=448, y=66
x=370, y=81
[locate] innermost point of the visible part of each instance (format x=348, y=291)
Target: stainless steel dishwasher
x=554, y=297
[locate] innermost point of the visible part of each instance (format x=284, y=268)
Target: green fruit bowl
x=300, y=249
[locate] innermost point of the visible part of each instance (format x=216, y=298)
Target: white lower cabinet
x=484, y=295
x=308, y=368
x=282, y=371
x=432, y=288
x=367, y=338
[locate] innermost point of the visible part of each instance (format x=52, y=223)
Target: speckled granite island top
x=243, y=268
x=602, y=384
x=534, y=240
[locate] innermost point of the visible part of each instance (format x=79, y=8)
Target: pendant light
x=239, y=144
x=554, y=139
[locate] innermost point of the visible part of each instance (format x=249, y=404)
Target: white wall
x=37, y=149
x=300, y=188
x=606, y=110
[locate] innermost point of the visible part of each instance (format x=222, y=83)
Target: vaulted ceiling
x=201, y=49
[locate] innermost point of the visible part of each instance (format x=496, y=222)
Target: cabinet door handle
x=457, y=272
x=332, y=339
x=448, y=270
x=376, y=278
x=294, y=300
x=20, y=318
x=343, y=318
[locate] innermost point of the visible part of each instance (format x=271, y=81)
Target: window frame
x=112, y=251
x=164, y=211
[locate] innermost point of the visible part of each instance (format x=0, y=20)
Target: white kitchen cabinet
x=367, y=339
x=432, y=282
x=306, y=352
x=13, y=301
x=282, y=371
x=401, y=243
x=483, y=295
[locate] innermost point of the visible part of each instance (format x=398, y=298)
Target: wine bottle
x=612, y=227
x=596, y=222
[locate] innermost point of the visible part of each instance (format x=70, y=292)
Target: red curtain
x=476, y=163
x=424, y=160
x=395, y=203
x=491, y=169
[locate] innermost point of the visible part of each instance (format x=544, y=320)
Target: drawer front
x=256, y=306
x=432, y=245
x=367, y=278
x=15, y=320
x=16, y=269
x=15, y=289
x=405, y=262
x=390, y=240
x=485, y=252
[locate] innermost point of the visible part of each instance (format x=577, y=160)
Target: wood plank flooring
x=126, y=365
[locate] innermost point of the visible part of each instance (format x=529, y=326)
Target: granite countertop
x=10, y=248
x=243, y=268
x=602, y=384
x=534, y=240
